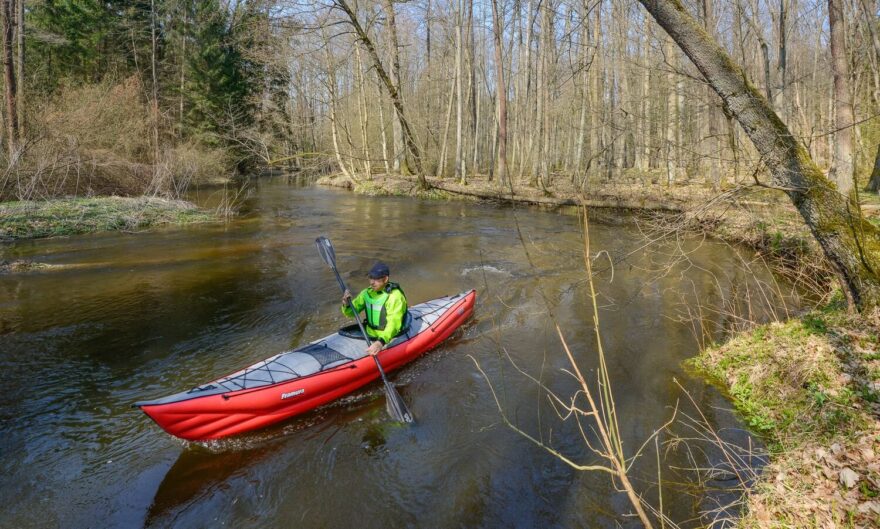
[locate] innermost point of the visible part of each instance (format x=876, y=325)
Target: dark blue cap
x=379, y=270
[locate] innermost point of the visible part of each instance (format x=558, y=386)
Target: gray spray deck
x=321, y=355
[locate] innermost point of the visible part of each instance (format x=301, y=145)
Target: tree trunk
x=710, y=118
x=765, y=49
x=870, y=22
x=473, y=91
x=383, y=130
x=331, y=90
x=459, y=110
x=848, y=241
x=155, y=90
x=874, y=182
x=182, y=68
x=576, y=176
x=781, y=59
x=842, y=169
x=500, y=93
x=393, y=93
x=394, y=46
x=19, y=63
x=671, y=115
x=596, y=115
x=444, y=146
x=362, y=110
x=9, y=78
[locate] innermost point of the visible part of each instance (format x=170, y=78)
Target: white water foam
x=486, y=268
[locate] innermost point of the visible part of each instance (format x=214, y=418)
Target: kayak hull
x=225, y=413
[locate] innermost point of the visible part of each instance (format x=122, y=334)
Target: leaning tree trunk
x=393, y=92
x=850, y=243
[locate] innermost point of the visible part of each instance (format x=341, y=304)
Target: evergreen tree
x=216, y=90
x=68, y=39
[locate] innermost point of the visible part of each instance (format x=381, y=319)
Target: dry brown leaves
x=821, y=486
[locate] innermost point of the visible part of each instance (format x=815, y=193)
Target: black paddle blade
x=394, y=404
x=325, y=248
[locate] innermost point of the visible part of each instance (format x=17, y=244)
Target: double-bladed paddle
x=395, y=405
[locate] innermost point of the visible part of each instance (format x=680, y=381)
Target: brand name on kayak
x=292, y=394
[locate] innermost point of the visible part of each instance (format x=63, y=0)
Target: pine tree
x=216, y=90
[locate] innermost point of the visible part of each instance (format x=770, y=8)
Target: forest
x=148, y=97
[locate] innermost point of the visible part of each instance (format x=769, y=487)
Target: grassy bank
x=811, y=387
x=35, y=219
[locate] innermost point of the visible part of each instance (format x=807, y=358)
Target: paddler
x=384, y=306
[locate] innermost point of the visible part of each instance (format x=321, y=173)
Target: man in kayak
x=384, y=305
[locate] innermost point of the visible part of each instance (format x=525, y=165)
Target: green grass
x=786, y=379
x=51, y=218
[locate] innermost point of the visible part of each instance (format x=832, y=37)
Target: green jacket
x=385, y=311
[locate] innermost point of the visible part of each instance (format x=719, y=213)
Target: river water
x=128, y=317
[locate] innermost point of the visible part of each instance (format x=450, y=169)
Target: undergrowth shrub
x=96, y=140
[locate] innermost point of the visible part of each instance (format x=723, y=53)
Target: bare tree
x=842, y=169
x=460, y=171
x=393, y=92
x=19, y=61
x=394, y=53
x=500, y=91
x=9, y=78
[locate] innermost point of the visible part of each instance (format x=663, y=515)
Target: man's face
x=378, y=284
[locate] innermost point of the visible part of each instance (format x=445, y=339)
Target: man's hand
x=374, y=348
x=346, y=297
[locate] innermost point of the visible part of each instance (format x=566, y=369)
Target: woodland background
x=133, y=97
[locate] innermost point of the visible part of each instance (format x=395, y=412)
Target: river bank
x=71, y=216
x=810, y=386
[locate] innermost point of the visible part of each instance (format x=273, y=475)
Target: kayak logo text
x=292, y=394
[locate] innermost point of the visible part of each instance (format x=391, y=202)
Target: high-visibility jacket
x=385, y=311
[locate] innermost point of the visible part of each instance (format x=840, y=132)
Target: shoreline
x=760, y=219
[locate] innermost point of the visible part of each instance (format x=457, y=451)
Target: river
x=127, y=317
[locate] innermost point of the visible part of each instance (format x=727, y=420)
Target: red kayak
x=297, y=381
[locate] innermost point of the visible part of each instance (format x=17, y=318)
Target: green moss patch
x=35, y=219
